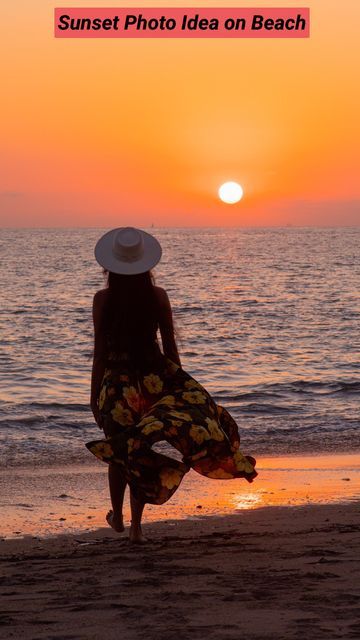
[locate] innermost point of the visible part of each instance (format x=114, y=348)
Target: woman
x=140, y=395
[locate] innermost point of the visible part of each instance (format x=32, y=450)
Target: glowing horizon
x=114, y=133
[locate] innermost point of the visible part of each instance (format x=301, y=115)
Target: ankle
x=117, y=515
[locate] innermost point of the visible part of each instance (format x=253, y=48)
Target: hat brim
x=104, y=255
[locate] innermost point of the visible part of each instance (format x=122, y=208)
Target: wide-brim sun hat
x=128, y=251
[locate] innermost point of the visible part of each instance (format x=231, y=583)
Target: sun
x=230, y=192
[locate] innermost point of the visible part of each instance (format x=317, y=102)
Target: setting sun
x=231, y=192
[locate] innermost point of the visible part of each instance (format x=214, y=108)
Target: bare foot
x=136, y=536
x=116, y=523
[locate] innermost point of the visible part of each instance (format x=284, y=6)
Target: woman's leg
x=117, y=485
x=137, y=509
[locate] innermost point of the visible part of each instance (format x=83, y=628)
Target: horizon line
x=151, y=226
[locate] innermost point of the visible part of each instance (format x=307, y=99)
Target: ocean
x=267, y=319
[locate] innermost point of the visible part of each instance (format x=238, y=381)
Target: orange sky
x=116, y=132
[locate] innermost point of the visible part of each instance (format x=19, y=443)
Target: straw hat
x=128, y=251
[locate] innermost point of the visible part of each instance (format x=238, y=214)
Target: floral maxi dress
x=140, y=406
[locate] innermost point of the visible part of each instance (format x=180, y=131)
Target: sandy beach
x=273, y=572
x=224, y=560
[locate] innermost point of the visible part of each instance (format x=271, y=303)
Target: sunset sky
x=134, y=132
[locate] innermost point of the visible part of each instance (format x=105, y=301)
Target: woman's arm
x=99, y=354
x=167, y=327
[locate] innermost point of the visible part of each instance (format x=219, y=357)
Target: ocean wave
x=6, y=406
x=56, y=424
x=316, y=387
x=72, y=406
x=271, y=409
x=250, y=395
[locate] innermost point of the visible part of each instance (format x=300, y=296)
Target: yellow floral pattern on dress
x=215, y=431
x=146, y=420
x=199, y=434
x=242, y=463
x=170, y=478
x=140, y=408
x=169, y=401
x=153, y=383
x=194, y=397
x=180, y=415
x=220, y=474
x=153, y=426
x=193, y=384
x=121, y=415
x=104, y=449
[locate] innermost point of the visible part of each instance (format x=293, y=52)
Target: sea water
x=267, y=320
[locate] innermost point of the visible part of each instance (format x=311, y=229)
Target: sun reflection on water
x=246, y=500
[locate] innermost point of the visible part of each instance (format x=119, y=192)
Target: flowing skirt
x=162, y=402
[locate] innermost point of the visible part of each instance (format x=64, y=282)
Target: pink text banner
x=188, y=22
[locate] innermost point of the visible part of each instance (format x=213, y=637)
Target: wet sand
x=46, y=501
x=273, y=572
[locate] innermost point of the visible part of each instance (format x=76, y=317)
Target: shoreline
x=272, y=572
x=48, y=501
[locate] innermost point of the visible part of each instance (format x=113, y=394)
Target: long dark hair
x=131, y=312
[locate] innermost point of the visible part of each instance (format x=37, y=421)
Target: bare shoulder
x=161, y=296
